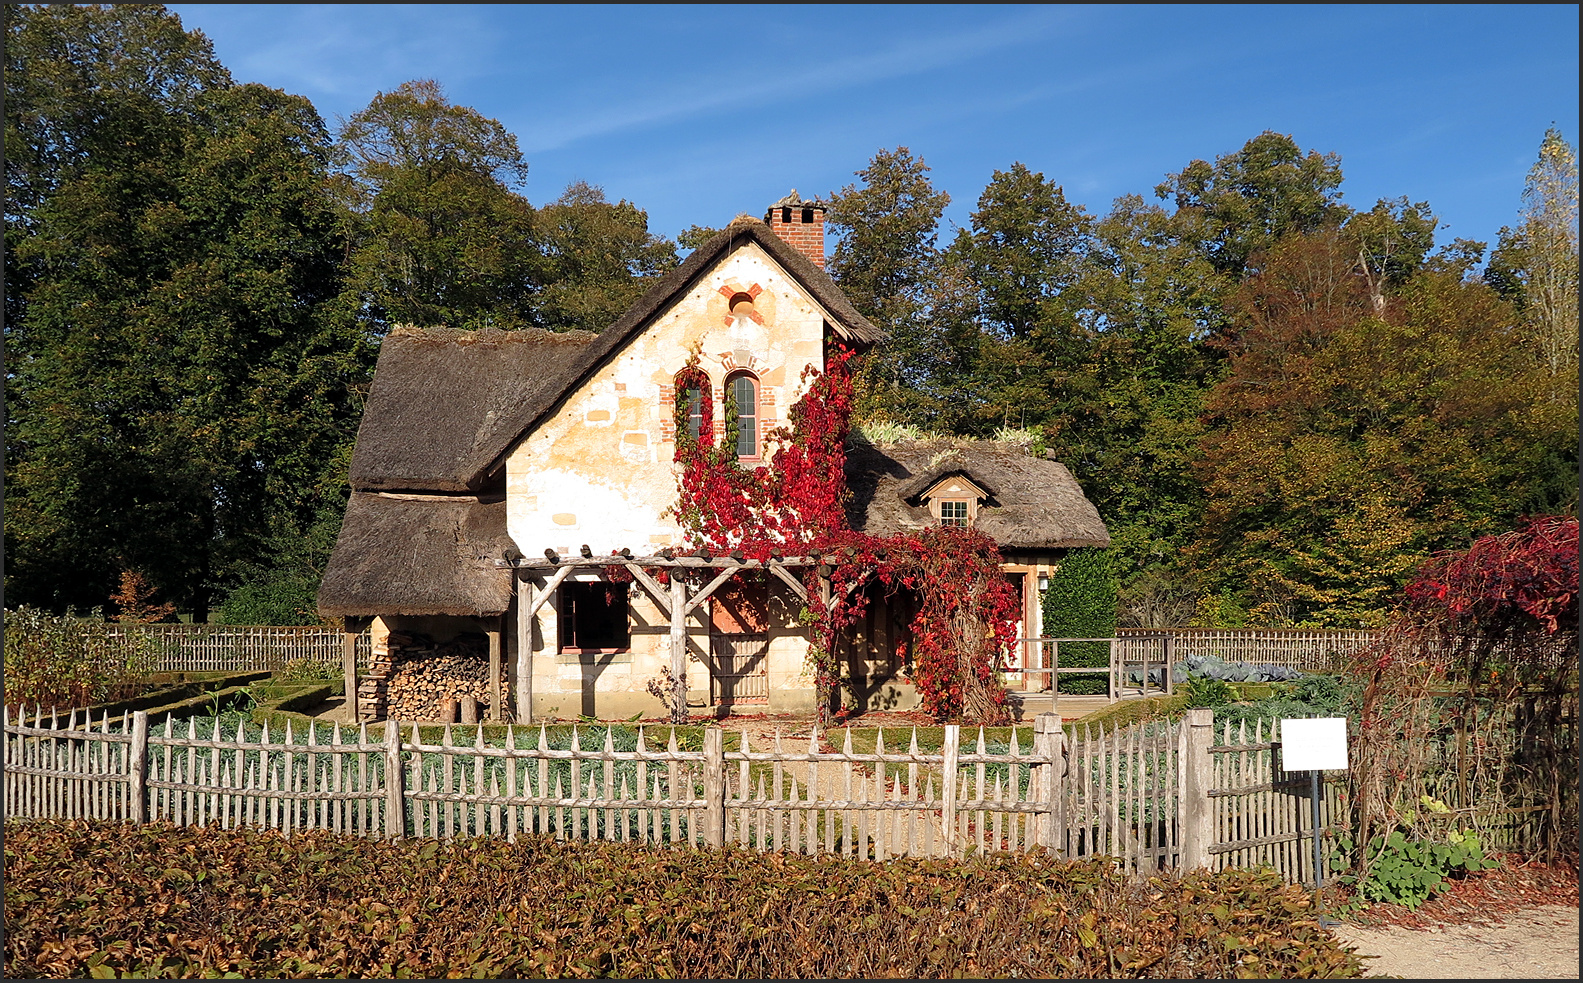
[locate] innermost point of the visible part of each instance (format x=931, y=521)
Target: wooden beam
x=616, y=559
x=524, y=651
x=678, y=651
x=860, y=582
x=494, y=669
x=714, y=584
x=785, y=575
x=661, y=598
x=539, y=597
x=525, y=615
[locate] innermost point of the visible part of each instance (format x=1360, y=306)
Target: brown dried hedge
x=100, y=899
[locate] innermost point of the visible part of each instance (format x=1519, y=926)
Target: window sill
x=594, y=657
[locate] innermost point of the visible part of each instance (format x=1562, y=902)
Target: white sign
x=1314, y=744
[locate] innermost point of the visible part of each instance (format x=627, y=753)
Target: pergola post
x=524, y=650
x=352, y=627
x=494, y=669
x=678, y=649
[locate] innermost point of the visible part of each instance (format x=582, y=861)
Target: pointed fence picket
x=1263, y=815
x=1152, y=797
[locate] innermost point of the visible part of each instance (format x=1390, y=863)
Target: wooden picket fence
x=1262, y=816
x=235, y=648
x=1154, y=797
x=1304, y=650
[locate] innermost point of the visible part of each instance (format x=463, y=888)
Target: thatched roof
x=418, y=555
x=1035, y=502
x=445, y=404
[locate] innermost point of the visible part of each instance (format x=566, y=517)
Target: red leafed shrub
x=1520, y=579
x=966, y=619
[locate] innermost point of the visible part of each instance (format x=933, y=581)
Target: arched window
x=694, y=407
x=743, y=391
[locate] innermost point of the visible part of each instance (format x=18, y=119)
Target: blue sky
x=699, y=113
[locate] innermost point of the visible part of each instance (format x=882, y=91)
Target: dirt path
x=1537, y=944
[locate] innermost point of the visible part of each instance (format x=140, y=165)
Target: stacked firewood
x=412, y=677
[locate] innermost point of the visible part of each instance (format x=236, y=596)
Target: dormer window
x=954, y=512
x=953, y=499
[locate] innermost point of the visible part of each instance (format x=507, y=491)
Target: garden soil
x=1517, y=922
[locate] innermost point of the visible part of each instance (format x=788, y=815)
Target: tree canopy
x=1280, y=404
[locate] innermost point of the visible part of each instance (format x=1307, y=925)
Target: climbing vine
x=1471, y=697
x=966, y=616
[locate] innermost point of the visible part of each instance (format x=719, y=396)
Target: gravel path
x=1537, y=944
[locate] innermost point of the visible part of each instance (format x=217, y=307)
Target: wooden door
x=739, y=643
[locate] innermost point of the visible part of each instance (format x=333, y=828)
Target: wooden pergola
x=675, y=601
x=536, y=580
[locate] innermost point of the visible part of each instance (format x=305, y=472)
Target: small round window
x=741, y=305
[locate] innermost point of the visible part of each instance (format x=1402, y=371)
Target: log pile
x=412, y=677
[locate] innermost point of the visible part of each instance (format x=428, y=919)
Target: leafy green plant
x=1408, y=871
x=1080, y=602
x=306, y=670
x=65, y=661
x=1207, y=692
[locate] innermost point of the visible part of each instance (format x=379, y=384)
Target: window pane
x=695, y=410
x=746, y=396
x=594, y=616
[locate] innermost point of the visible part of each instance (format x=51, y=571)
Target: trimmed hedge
x=99, y=899
x=1080, y=602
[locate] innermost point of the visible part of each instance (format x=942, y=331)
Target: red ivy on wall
x=795, y=505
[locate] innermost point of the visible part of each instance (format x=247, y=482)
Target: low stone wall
x=412, y=677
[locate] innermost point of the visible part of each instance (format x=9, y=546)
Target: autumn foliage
x=89, y=900
x=1471, y=697
x=795, y=506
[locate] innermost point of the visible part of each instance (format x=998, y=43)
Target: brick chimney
x=801, y=224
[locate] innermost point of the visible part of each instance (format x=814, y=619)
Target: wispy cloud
x=749, y=84
x=339, y=53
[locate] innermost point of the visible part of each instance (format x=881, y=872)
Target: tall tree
x=886, y=260
x=1536, y=264
x=440, y=236
x=598, y=258
x=180, y=370
x=1247, y=201
x=1025, y=248
x=1346, y=445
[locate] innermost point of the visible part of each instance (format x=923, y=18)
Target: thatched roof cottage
x=505, y=486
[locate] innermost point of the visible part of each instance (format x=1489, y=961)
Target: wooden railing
x=241, y=648
x=1154, y=796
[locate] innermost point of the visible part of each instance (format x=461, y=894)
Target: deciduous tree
x=180, y=369
x=440, y=236
x=886, y=260
x=1536, y=264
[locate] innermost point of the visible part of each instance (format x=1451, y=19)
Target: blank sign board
x=1314, y=744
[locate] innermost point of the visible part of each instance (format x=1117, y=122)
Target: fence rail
x=1305, y=650
x=1153, y=796
x=238, y=648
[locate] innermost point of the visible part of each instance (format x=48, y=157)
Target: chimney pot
x=801, y=224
